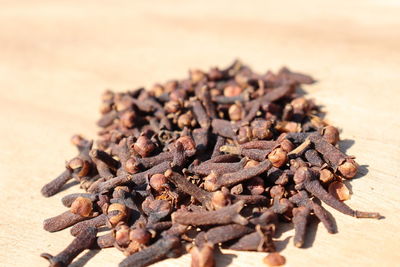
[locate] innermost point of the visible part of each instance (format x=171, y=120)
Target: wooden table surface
x=56, y=57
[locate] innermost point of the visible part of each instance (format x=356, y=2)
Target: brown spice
x=218, y=159
x=339, y=191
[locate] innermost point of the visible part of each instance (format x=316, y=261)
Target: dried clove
x=83, y=241
x=156, y=252
x=69, y=199
x=215, y=181
x=304, y=178
x=300, y=219
x=221, y=234
x=260, y=240
x=334, y=157
x=55, y=186
x=95, y=222
x=64, y=220
x=224, y=215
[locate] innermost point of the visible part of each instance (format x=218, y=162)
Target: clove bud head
x=348, y=168
x=331, y=134
x=131, y=166
x=77, y=140
x=158, y=182
x=286, y=145
x=235, y=112
x=299, y=104
x=277, y=191
x=116, y=213
x=172, y=106
x=220, y=199
x=244, y=134
x=185, y=120
x=210, y=182
x=325, y=176
x=82, y=206
x=122, y=235
x=339, y=190
x=157, y=90
x=278, y=157
x=140, y=235
x=256, y=185
x=301, y=175
x=187, y=142
x=79, y=166
x=128, y=119
x=144, y=146
x=261, y=129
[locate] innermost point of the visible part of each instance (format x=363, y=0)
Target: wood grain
x=56, y=57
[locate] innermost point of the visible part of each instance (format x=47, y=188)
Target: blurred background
x=56, y=57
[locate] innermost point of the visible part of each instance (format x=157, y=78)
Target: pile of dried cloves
x=220, y=159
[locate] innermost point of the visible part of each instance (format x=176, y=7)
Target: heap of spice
x=220, y=159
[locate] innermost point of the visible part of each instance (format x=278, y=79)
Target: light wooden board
x=56, y=57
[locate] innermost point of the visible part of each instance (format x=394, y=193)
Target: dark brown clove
x=156, y=252
x=215, y=181
x=138, y=178
x=304, y=178
x=260, y=240
x=95, y=222
x=300, y=219
x=302, y=199
x=224, y=215
x=156, y=209
x=201, y=114
x=224, y=128
x=216, y=151
x=199, y=194
x=313, y=158
x=200, y=137
x=63, y=221
x=221, y=234
x=336, y=159
x=69, y=199
x=102, y=167
x=83, y=241
x=257, y=200
x=220, y=167
x=55, y=186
